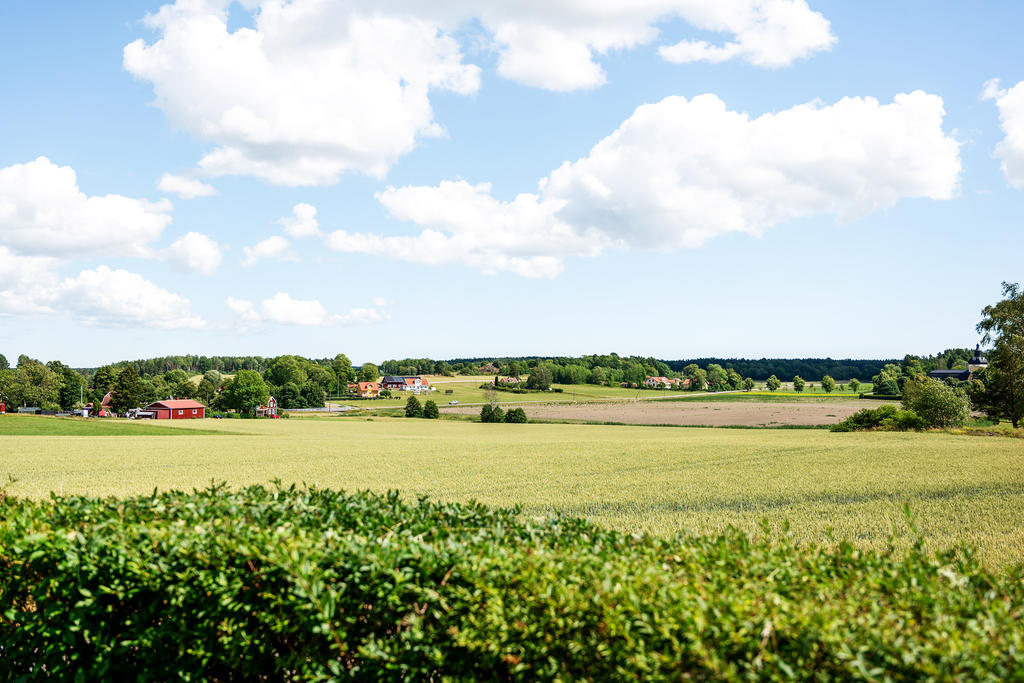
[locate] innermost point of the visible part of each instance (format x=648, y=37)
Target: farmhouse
x=181, y=409
x=402, y=383
x=979, y=362
x=365, y=389
x=507, y=380
x=656, y=382
x=269, y=410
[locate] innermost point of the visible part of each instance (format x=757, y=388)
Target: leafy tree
x=497, y=415
x=937, y=403
x=214, y=377
x=206, y=390
x=129, y=391
x=1002, y=324
x=698, y=378
x=323, y=377
x=718, y=379
x=4, y=365
x=285, y=369
x=72, y=387
x=598, y=376
x=290, y=396
x=103, y=379
x=773, y=383
x=828, y=384
x=246, y=392
x=430, y=410
x=540, y=378
x=798, y=383
x=32, y=384
x=413, y=407
x=854, y=384
x=369, y=373
x=748, y=384
x=312, y=394
x=516, y=416
x=734, y=379
x=487, y=413
x=185, y=389
x=342, y=368
x=176, y=377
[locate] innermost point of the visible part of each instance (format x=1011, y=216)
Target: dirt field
x=696, y=412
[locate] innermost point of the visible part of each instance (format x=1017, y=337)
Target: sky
x=389, y=179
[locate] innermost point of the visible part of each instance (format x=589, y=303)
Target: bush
x=516, y=416
x=413, y=407
x=491, y=413
x=887, y=418
x=300, y=585
x=938, y=404
x=430, y=410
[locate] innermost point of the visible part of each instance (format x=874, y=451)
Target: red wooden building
x=181, y=409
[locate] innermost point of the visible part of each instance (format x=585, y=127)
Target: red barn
x=181, y=409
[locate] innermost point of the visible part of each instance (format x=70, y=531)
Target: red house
x=181, y=409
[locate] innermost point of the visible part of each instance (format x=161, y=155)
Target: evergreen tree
x=128, y=391
x=430, y=411
x=413, y=407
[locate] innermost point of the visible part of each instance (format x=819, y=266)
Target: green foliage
x=540, y=378
x=937, y=403
x=31, y=384
x=317, y=585
x=798, y=383
x=698, y=378
x=1003, y=324
x=368, y=372
x=492, y=413
x=312, y=394
x=516, y=416
x=286, y=369
x=129, y=392
x=4, y=365
x=748, y=384
x=828, y=384
x=430, y=410
x=885, y=418
x=854, y=384
x=773, y=383
x=413, y=407
x=246, y=392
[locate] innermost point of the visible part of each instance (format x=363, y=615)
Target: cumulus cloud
x=118, y=297
x=284, y=310
x=43, y=212
x=102, y=296
x=1010, y=103
x=194, y=252
x=303, y=221
x=677, y=173
x=185, y=187
x=314, y=89
x=269, y=248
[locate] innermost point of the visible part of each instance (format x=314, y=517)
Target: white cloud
x=284, y=310
x=43, y=212
x=118, y=297
x=303, y=222
x=29, y=284
x=677, y=173
x=185, y=187
x=314, y=89
x=767, y=33
x=268, y=248
x=194, y=252
x=1011, y=118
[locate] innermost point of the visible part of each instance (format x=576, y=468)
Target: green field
x=961, y=489
x=25, y=425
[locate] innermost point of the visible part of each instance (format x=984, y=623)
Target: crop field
x=699, y=410
x=960, y=489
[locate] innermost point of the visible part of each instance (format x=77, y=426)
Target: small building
x=269, y=410
x=508, y=380
x=403, y=383
x=180, y=409
x=365, y=389
x=655, y=382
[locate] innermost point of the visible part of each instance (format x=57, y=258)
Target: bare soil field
x=697, y=412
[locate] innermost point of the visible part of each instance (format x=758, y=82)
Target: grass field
x=961, y=489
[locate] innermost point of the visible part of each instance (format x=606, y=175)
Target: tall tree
x=828, y=384
x=773, y=383
x=247, y=391
x=129, y=391
x=72, y=390
x=748, y=384
x=1002, y=325
x=540, y=378
x=798, y=383
x=368, y=372
x=4, y=365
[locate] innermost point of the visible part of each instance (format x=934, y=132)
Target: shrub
x=430, y=410
x=884, y=417
x=318, y=585
x=938, y=404
x=516, y=415
x=487, y=413
x=413, y=407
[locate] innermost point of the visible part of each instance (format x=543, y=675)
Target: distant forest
x=569, y=370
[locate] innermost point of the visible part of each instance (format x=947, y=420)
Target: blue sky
x=800, y=179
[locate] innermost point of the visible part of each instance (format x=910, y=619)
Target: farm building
x=401, y=383
x=269, y=410
x=979, y=362
x=181, y=409
x=365, y=389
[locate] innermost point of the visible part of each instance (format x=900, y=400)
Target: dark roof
x=950, y=374
x=978, y=358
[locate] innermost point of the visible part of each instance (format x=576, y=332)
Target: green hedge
x=265, y=584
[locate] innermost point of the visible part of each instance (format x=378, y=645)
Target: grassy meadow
x=960, y=489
